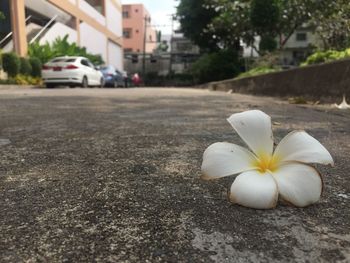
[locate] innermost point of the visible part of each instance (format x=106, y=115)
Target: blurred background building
x=94, y=24
x=138, y=33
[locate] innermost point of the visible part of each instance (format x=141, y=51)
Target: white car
x=71, y=71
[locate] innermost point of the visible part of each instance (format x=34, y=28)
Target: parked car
x=113, y=77
x=71, y=71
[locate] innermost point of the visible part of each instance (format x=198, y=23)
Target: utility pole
x=171, y=44
x=147, y=19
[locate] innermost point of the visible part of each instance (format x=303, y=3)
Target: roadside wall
x=320, y=81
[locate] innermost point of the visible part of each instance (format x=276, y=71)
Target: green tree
x=246, y=19
x=265, y=16
x=194, y=17
x=215, y=66
x=333, y=25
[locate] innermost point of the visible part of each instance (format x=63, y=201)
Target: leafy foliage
x=264, y=16
x=36, y=67
x=21, y=79
x=258, y=71
x=216, y=66
x=163, y=46
x=267, y=43
x=333, y=26
x=225, y=22
x=25, y=68
x=11, y=63
x=194, y=17
x=61, y=47
x=326, y=56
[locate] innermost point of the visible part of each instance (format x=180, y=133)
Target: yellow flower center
x=266, y=163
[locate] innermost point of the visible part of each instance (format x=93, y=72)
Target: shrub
x=258, y=71
x=326, y=56
x=36, y=66
x=25, y=67
x=216, y=66
x=8, y=81
x=27, y=80
x=61, y=47
x=11, y=64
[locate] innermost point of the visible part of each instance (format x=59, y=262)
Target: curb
x=4, y=87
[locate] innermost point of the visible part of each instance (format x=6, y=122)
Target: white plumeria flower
x=265, y=174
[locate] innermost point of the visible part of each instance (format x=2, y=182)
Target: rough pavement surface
x=113, y=176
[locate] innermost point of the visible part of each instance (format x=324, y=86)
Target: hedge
x=11, y=63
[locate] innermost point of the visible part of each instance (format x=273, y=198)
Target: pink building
x=136, y=19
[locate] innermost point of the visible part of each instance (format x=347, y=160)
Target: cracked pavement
x=112, y=175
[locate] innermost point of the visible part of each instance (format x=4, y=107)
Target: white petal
x=299, y=184
x=301, y=147
x=254, y=127
x=222, y=159
x=254, y=189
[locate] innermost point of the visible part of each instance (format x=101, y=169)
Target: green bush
x=10, y=81
x=27, y=80
x=25, y=68
x=326, y=56
x=216, y=66
x=36, y=67
x=61, y=47
x=11, y=63
x=258, y=71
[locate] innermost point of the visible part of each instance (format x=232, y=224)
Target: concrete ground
x=112, y=175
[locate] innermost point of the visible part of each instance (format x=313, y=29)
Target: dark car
x=113, y=78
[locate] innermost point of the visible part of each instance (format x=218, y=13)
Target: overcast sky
x=159, y=10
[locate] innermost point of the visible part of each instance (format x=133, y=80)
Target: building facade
x=178, y=57
x=299, y=46
x=93, y=24
x=139, y=36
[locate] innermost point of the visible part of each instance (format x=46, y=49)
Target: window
x=85, y=63
x=301, y=37
x=127, y=32
x=97, y=4
x=126, y=14
x=127, y=50
x=136, y=10
x=90, y=64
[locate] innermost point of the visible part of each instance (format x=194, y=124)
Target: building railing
x=10, y=34
x=43, y=29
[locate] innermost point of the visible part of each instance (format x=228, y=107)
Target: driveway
x=112, y=175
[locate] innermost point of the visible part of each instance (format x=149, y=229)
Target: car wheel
x=50, y=85
x=85, y=82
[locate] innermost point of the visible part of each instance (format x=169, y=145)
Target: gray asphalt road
x=105, y=175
